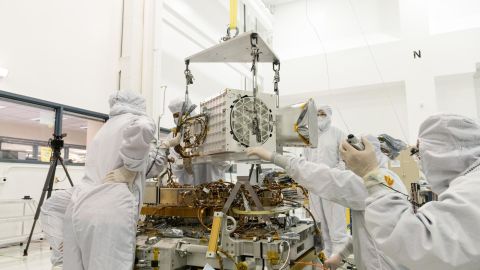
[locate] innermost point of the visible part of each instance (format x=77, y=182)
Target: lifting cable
x=325, y=57
x=377, y=68
x=380, y=75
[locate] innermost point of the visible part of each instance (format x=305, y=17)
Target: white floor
x=11, y=258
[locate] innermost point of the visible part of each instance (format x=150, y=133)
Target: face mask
x=323, y=123
x=437, y=170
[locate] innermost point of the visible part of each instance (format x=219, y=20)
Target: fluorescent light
x=2, y=107
x=36, y=119
x=83, y=127
x=3, y=72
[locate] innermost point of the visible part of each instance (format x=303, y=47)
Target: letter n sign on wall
x=417, y=54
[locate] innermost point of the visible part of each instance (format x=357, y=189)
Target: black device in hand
x=355, y=142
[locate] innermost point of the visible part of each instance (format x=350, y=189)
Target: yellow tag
x=273, y=257
x=389, y=180
x=45, y=153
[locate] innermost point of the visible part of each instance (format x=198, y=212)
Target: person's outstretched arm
x=339, y=186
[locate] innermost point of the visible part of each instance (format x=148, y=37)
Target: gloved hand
x=260, y=152
x=360, y=162
x=121, y=175
x=171, y=142
x=334, y=262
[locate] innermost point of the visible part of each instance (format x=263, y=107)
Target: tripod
x=56, y=144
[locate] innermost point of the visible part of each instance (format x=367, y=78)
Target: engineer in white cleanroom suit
x=441, y=234
x=329, y=214
x=53, y=210
x=200, y=173
x=51, y=220
x=99, y=224
x=347, y=189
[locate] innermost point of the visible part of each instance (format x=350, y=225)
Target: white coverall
x=201, y=172
x=442, y=234
x=51, y=220
x=99, y=223
x=347, y=189
x=330, y=214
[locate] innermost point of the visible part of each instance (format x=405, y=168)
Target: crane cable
x=325, y=57
x=380, y=75
x=377, y=68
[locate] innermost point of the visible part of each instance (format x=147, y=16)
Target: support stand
x=236, y=189
x=56, y=144
x=258, y=171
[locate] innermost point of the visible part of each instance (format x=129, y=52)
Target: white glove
x=260, y=152
x=334, y=262
x=360, y=162
x=171, y=142
x=121, y=175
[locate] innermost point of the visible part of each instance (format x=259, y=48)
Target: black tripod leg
x=66, y=172
x=54, y=164
x=47, y=188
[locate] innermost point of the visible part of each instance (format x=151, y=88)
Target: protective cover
x=297, y=125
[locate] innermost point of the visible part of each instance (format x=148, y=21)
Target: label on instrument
x=395, y=163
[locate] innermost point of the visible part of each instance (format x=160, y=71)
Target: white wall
x=393, y=31
x=457, y=94
x=453, y=15
x=61, y=51
x=294, y=35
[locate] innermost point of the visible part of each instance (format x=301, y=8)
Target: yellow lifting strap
x=233, y=13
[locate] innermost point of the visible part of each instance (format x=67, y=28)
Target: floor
x=11, y=258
